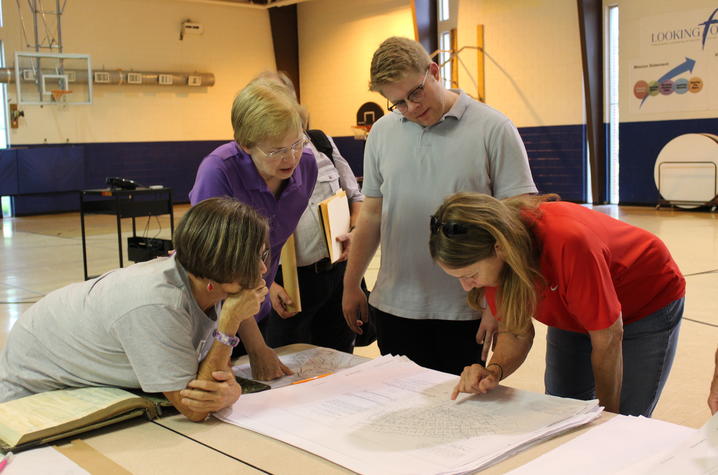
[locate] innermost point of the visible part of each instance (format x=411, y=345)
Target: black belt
x=319, y=267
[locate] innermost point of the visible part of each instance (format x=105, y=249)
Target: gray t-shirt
x=413, y=168
x=137, y=327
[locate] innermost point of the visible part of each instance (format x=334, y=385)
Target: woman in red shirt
x=609, y=292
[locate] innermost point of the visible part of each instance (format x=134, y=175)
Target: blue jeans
x=649, y=346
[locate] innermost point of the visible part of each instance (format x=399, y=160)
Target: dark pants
x=649, y=346
x=321, y=321
x=443, y=345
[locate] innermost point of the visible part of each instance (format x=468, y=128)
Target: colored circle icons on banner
x=695, y=84
x=681, y=86
x=642, y=89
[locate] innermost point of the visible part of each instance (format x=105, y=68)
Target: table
x=123, y=204
x=142, y=447
x=176, y=445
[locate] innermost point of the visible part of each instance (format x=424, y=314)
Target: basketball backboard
x=53, y=78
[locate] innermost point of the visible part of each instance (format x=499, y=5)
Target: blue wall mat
x=556, y=156
x=50, y=169
x=52, y=203
x=172, y=164
x=353, y=150
x=640, y=144
x=8, y=172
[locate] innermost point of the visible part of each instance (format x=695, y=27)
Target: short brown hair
x=395, y=58
x=264, y=110
x=221, y=239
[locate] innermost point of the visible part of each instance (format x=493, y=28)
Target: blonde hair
x=394, y=59
x=221, y=239
x=490, y=222
x=264, y=110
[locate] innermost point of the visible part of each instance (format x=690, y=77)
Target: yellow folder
x=335, y=217
x=290, y=279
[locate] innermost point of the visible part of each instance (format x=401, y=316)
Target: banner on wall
x=678, y=67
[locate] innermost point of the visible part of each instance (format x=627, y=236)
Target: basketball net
x=361, y=131
x=59, y=94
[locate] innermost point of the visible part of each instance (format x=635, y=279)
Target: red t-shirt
x=597, y=268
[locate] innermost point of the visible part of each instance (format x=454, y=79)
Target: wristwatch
x=224, y=338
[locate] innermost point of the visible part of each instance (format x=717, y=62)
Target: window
x=612, y=95
x=5, y=201
x=444, y=12
x=3, y=100
x=445, y=58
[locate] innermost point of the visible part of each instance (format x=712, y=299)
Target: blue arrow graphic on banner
x=687, y=65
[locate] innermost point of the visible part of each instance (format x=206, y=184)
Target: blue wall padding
x=172, y=164
x=64, y=169
x=8, y=172
x=556, y=156
x=640, y=144
x=353, y=150
x=54, y=203
x=50, y=169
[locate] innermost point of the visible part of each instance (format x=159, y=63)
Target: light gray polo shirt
x=413, y=168
x=137, y=327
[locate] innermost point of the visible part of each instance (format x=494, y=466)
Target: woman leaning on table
x=609, y=292
x=267, y=168
x=157, y=326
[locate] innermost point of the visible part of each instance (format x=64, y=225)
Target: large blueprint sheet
x=390, y=415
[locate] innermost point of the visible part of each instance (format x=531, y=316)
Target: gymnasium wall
x=533, y=75
x=144, y=35
x=336, y=43
x=153, y=133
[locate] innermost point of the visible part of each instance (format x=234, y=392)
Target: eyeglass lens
x=416, y=95
x=297, y=146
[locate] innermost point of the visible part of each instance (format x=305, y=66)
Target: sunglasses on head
x=449, y=228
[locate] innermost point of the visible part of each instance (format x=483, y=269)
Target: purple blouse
x=228, y=171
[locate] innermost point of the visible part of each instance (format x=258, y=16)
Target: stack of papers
x=626, y=439
x=390, y=415
x=695, y=454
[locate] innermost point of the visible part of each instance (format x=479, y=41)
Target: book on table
x=336, y=221
x=46, y=417
x=53, y=415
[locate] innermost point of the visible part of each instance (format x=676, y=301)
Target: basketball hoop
x=59, y=94
x=361, y=131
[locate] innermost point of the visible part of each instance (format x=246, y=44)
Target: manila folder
x=335, y=216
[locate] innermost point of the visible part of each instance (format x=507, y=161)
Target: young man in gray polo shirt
x=435, y=143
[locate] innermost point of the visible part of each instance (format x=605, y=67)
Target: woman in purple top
x=265, y=167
